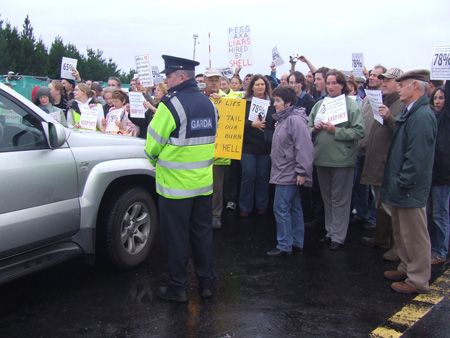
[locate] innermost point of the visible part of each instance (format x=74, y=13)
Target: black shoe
x=325, y=239
x=277, y=253
x=296, y=249
x=334, y=246
x=206, y=292
x=166, y=293
x=368, y=226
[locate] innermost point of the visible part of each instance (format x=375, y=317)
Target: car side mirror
x=56, y=135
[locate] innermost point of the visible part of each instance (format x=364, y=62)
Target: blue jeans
x=254, y=182
x=362, y=198
x=440, y=195
x=287, y=207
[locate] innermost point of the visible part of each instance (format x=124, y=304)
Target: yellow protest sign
x=230, y=131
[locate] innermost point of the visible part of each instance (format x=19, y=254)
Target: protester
x=236, y=83
x=319, y=83
x=213, y=80
x=83, y=99
x=378, y=140
x=180, y=143
x=57, y=95
x=440, y=189
x=255, y=160
x=303, y=100
x=114, y=82
x=120, y=103
x=433, y=85
x=98, y=89
x=407, y=183
x=107, y=97
x=335, y=156
x=292, y=157
x=43, y=101
x=437, y=100
x=246, y=82
x=69, y=87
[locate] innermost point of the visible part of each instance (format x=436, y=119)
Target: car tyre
x=129, y=224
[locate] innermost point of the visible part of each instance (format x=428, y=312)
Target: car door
x=38, y=185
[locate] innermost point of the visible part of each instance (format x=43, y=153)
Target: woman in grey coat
x=292, y=159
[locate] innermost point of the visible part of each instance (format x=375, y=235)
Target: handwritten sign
x=333, y=110
x=137, y=109
x=375, y=98
x=68, y=65
x=113, y=116
x=258, y=109
x=440, y=63
x=239, y=46
x=276, y=57
x=144, y=70
x=358, y=64
x=230, y=129
x=88, y=119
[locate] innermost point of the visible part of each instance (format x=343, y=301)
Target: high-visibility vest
x=180, y=143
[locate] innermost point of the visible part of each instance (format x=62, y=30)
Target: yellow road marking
x=414, y=311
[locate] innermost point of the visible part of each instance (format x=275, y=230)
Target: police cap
x=173, y=63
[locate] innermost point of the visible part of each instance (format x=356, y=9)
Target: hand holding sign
x=258, y=109
x=68, y=65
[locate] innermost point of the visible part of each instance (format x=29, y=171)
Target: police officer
x=180, y=144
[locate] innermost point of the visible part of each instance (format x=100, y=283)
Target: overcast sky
x=394, y=33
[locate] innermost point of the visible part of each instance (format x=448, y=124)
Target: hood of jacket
x=285, y=113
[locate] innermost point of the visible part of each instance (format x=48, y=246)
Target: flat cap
x=419, y=74
x=392, y=73
x=173, y=63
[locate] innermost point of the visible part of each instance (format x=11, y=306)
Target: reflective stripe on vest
x=161, y=140
x=182, y=193
x=181, y=140
x=183, y=165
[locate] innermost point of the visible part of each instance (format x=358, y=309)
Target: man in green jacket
x=180, y=143
x=407, y=182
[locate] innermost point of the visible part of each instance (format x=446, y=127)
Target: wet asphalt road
x=318, y=293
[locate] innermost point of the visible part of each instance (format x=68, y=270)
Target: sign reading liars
x=239, y=46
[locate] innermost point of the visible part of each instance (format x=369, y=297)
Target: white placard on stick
x=258, y=109
x=157, y=78
x=144, y=69
x=137, y=109
x=375, y=98
x=68, y=65
x=276, y=57
x=239, y=46
x=358, y=64
x=440, y=63
x=113, y=116
x=88, y=118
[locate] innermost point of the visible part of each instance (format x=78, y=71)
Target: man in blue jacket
x=407, y=182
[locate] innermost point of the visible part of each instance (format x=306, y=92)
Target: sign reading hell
x=230, y=131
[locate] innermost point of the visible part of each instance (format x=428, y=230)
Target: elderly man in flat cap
x=407, y=182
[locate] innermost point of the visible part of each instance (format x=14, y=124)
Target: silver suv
x=64, y=193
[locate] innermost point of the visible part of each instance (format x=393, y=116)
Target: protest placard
x=68, y=65
x=227, y=72
x=239, y=46
x=144, y=70
x=258, y=109
x=375, y=98
x=113, y=116
x=157, y=78
x=137, y=109
x=358, y=64
x=230, y=129
x=88, y=118
x=440, y=63
x=276, y=57
x=333, y=110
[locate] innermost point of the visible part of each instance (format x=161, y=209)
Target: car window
x=19, y=129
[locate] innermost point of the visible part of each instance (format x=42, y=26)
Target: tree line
x=22, y=53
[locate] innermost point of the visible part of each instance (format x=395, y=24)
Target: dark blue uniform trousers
x=185, y=221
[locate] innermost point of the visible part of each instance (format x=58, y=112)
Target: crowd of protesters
x=379, y=175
